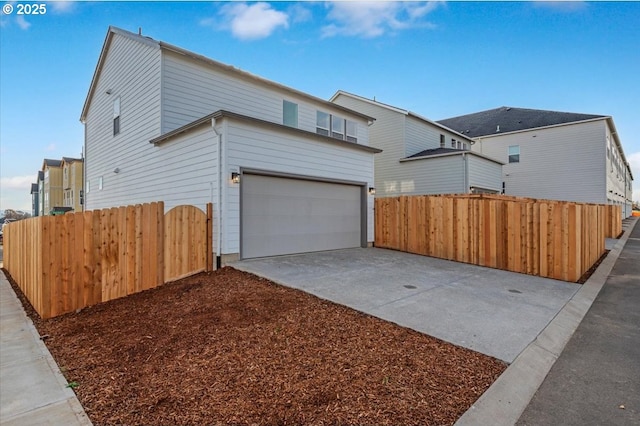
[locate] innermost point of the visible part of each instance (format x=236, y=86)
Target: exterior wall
x=52, y=188
x=435, y=175
x=253, y=147
x=131, y=71
x=40, y=197
x=420, y=135
x=191, y=90
x=72, y=184
x=558, y=163
x=386, y=133
x=619, y=183
x=484, y=173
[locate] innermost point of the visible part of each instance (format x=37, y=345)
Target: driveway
x=494, y=312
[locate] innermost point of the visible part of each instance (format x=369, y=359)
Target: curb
x=505, y=401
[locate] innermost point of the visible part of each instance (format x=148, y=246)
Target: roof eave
x=449, y=154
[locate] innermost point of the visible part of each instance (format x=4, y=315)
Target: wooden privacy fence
x=547, y=238
x=68, y=262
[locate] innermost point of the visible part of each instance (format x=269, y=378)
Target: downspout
x=218, y=206
x=465, y=161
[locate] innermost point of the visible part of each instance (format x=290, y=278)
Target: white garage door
x=285, y=216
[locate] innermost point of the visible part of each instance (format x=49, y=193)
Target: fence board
x=548, y=238
x=64, y=263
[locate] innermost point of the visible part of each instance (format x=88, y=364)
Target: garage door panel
x=284, y=216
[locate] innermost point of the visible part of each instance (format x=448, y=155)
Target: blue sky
x=436, y=59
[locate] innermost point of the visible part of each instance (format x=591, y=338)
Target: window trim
x=324, y=131
x=294, y=111
x=516, y=158
x=116, y=116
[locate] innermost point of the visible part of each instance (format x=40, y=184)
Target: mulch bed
x=231, y=348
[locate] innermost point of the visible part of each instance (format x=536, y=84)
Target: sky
x=437, y=59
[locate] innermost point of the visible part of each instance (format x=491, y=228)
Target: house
x=72, y=183
x=35, y=200
x=40, y=193
x=287, y=172
x=420, y=156
x=553, y=155
x=52, y=184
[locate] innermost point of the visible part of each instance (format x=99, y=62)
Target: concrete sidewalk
x=33, y=390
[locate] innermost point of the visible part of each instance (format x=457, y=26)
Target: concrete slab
x=33, y=390
x=491, y=311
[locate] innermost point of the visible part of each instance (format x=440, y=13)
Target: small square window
x=289, y=114
x=116, y=116
x=337, y=127
x=514, y=154
x=352, y=131
x=323, y=121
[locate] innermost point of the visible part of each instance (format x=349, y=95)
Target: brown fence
x=546, y=238
x=64, y=263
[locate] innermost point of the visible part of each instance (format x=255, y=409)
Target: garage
x=285, y=215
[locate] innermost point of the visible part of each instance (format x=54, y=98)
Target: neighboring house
x=72, y=183
x=35, y=200
x=287, y=172
x=553, y=155
x=52, y=185
x=40, y=193
x=420, y=156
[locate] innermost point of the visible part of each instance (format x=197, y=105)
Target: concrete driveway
x=494, y=312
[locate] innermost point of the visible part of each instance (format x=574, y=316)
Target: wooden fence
x=64, y=263
x=546, y=238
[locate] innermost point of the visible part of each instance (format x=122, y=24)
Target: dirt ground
x=231, y=348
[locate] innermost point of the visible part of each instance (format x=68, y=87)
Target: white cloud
x=373, y=19
x=61, y=6
x=634, y=162
x=251, y=22
x=22, y=23
x=50, y=147
x=17, y=182
x=299, y=13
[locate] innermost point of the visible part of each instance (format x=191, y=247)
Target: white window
x=453, y=143
x=289, y=114
x=323, y=123
x=116, y=116
x=459, y=144
x=352, y=131
x=465, y=146
x=514, y=154
x=100, y=183
x=442, y=141
x=88, y=186
x=337, y=127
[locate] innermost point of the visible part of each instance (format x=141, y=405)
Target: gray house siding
x=558, y=163
x=439, y=175
x=137, y=85
x=484, y=173
x=252, y=147
x=192, y=89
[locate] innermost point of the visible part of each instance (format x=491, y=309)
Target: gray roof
x=40, y=175
x=34, y=187
x=508, y=119
x=52, y=163
x=71, y=160
x=436, y=151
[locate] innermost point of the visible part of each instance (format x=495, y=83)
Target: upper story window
x=442, y=141
x=336, y=127
x=323, y=123
x=514, y=154
x=352, y=131
x=116, y=116
x=289, y=114
x=453, y=143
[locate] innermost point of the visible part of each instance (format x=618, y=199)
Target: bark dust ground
x=228, y=347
